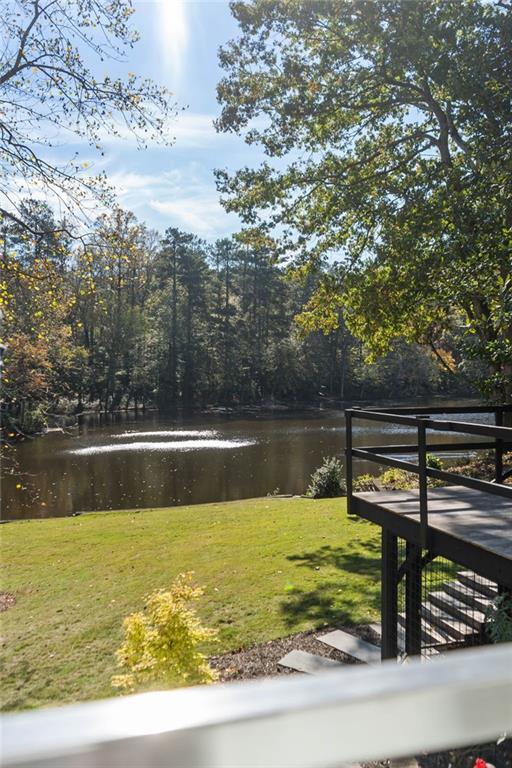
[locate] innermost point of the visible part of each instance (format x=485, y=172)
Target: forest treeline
x=131, y=318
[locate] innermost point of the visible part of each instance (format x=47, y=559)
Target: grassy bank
x=270, y=567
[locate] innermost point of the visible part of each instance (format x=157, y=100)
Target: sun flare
x=173, y=31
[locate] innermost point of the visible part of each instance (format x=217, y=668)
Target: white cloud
x=185, y=197
x=201, y=214
x=195, y=129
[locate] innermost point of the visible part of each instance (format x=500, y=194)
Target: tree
x=395, y=122
x=53, y=88
x=174, y=247
x=112, y=280
x=42, y=361
x=225, y=256
x=129, y=318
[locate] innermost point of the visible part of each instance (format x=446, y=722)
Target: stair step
x=484, y=586
x=429, y=635
x=427, y=654
x=309, y=663
x=457, y=609
x=352, y=646
x=455, y=629
x=467, y=595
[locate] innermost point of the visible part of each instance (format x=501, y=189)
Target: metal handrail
x=438, y=474
x=428, y=409
x=464, y=427
x=346, y=716
x=502, y=440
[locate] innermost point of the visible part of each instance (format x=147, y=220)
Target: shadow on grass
x=346, y=600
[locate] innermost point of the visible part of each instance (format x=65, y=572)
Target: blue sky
x=174, y=186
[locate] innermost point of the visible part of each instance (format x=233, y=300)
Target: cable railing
x=346, y=716
x=422, y=420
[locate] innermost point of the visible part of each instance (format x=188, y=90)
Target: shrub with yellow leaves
x=161, y=644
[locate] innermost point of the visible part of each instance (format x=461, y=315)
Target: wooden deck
x=471, y=527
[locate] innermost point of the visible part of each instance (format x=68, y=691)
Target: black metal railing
x=421, y=419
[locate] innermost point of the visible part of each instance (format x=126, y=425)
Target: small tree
x=161, y=643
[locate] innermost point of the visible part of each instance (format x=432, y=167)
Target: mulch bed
x=261, y=660
x=7, y=600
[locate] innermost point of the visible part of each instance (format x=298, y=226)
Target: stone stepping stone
x=301, y=661
x=352, y=646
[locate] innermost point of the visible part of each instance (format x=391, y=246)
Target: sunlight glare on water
x=169, y=445
x=168, y=433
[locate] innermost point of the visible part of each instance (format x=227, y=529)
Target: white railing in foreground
x=360, y=713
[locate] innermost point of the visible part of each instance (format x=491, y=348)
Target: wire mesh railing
x=454, y=604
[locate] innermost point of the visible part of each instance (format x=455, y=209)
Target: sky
x=175, y=186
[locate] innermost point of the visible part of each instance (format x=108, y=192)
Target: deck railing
x=421, y=419
x=356, y=714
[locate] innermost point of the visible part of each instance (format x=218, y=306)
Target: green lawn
x=270, y=567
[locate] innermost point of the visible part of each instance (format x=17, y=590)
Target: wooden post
x=413, y=600
x=389, y=595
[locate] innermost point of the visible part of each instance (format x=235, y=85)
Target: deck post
x=498, y=450
x=389, y=595
x=422, y=463
x=348, y=458
x=413, y=600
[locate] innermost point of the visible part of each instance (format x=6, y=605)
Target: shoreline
x=141, y=510
x=247, y=409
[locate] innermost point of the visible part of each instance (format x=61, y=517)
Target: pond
x=129, y=461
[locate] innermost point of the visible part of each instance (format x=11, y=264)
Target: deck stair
x=430, y=635
x=477, y=584
x=472, y=598
x=452, y=614
x=458, y=609
x=456, y=612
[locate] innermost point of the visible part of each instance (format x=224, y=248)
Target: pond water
x=129, y=461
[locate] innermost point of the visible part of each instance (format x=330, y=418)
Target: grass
x=270, y=567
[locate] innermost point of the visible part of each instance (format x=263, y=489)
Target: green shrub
x=364, y=483
x=396, y=479
x=499, y=619
x=34, y=420
x=400, y=480
x=160, y=646
x=434, y=462
x=327, y=481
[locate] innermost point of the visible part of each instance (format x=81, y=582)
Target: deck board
x=475, y=517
